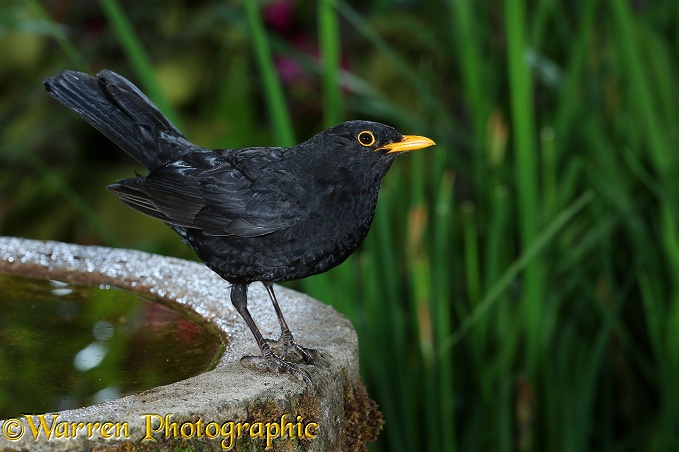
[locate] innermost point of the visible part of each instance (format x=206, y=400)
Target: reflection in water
x=64, y=346
x=89, y=357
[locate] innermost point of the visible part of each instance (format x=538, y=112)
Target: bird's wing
x=247, y=194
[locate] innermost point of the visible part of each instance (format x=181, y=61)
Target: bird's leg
x=286, y=341
x=268, y=360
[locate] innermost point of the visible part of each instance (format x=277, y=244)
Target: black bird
x=266, y=214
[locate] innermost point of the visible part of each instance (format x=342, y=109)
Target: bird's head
x=358, y=150
x=373, y=137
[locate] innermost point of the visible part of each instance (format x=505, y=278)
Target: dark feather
x=209, y=193
x=119, y=110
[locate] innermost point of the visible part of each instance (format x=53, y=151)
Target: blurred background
x=519, y=289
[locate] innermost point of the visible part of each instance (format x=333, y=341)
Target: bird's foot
x=289, y=349
x=270, y=362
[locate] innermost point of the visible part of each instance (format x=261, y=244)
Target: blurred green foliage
x=520, y=286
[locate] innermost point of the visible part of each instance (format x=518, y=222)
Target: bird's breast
x=336, y=224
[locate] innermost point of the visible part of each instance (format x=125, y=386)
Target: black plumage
x=266, y=214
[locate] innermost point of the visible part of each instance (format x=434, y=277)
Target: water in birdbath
x=65, y=346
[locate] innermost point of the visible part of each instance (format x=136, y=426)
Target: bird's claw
x=289, y=349
x=273, y=363
x=283, y=356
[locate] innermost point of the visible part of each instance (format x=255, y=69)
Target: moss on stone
x=362, y=419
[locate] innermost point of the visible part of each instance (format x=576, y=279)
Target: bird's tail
x=119, y=110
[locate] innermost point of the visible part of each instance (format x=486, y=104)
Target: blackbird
x=266, y=214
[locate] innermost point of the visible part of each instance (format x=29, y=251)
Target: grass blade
x=273, y=91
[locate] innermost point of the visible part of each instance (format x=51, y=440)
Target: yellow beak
x=408, y=143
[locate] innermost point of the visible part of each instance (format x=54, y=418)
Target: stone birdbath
x=226, y=408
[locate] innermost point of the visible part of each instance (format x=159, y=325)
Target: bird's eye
x=366, y=138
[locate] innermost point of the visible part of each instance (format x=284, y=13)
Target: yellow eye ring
x=366, y=138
